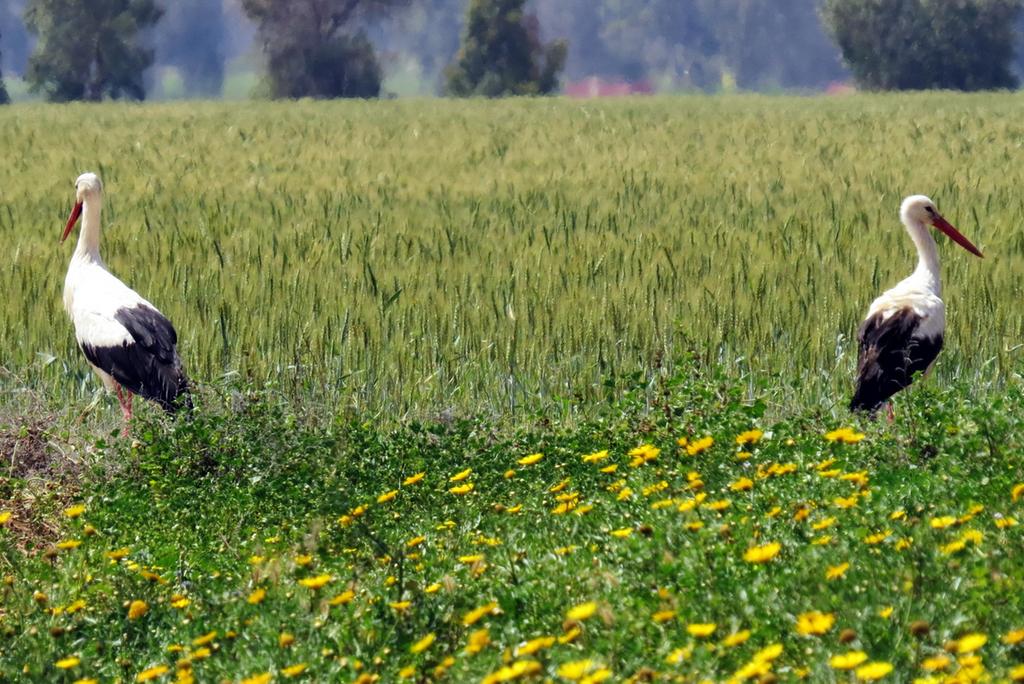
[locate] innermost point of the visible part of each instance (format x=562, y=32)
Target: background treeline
x=331, y=48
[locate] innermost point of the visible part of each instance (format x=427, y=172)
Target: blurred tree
x=192, y=38
x=917, y=44
x=774, y=43
x=427, y=33
x=313, y=48
x=87, y=50
x=502, y=54
x=4, y=98
x=12, y=27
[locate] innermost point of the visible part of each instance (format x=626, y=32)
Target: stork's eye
x=930, y=210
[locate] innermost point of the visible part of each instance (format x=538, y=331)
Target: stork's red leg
x=889, y=411
x=126, y=408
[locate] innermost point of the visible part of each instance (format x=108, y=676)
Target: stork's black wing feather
x=890, y=355
x=148, y=365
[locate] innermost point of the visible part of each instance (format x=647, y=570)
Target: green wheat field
x=529, y=390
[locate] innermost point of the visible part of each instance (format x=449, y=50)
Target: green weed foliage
x=905, y=538
x=396, y=257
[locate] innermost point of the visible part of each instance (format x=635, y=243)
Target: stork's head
x=918, y=210
x=87, y=188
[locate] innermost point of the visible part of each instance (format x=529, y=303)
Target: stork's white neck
x=88, y=248
x=927, y=271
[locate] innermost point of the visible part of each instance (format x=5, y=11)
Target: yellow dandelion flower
x=1014, y=637
x=622, y=532
x=877, y=538
x=474, y=616
x=152, y=673
x=886, y=612
x=1017, y=492
x=953, y=547
x=873, y=671
x=581, y=612
x=470, y=560
x=848, y=661
x=205, y=639
x=478, y=641
x=935, y=663
x=285, y=639
x=596, y=456
x=262, y=678
x=415, y=541
x=180, y=602
x=400, y=606
x=744, y=484
x=67, y=663
x=413, y=479
x=387, y=496
x=836, y=571
x=533, y=645
x=718, y=505
x=460, y=476
x=943, y=522
x=768, y=654
x=75, y=606
x=814, y=623
x=972, y=536
x=530, y=460
x=423, y=644
x=845, y=501
x=663, y=616
x=610, y=468
x=74, y=511
x=294, y=670
x=407, y=672
x=315, y=582
x=4, y=517
x=844, y=436
x=699, y=446
x=137, y=609
x=68, y=544
x=970, y=642
x=86, y=680
x=575, y=669
x=462, y=489
x=1002, y=522
x=509, y=474
x=256, y=596
x=749, y=437
x=571, y=635
x=763, y=553
x=342, y=598
x=701, y=630
x=118, y=554
x=303, y=560
x=736, y=638
x=824, y=524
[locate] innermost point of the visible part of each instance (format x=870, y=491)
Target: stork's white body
x=93, y=296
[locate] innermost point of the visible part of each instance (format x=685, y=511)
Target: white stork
x=128, y=342
x=902, y=334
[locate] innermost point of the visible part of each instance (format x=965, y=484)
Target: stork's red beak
x=947, y=228
x=72, y=220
